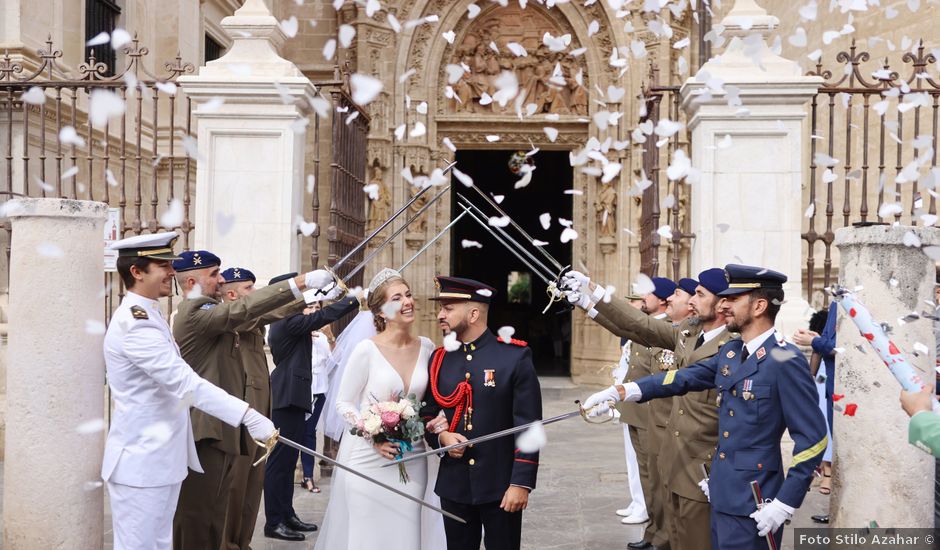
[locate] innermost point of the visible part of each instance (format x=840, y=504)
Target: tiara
x=382, y=276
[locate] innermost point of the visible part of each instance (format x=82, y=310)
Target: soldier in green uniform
x=244, y=498
x=206, y=331
x=644, y=361
x=692, y=428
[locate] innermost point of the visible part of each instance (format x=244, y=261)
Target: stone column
x=52, y=494
x=747, y=208
x=878, y=475
x=250, y=174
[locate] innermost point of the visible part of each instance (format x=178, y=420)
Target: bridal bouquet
x=396, y=421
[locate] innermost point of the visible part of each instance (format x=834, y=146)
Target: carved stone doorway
x=520, y=294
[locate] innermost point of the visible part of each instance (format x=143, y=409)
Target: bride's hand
x=387, y=449
x=436, y=425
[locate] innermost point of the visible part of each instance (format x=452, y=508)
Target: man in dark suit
x=291, y=348
x=484, y=386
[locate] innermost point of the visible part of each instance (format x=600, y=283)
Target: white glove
x=335, y=293
x=599, y=403
x=319, y=278
x=771, y=516
x=580, y=299
x=575, y=280
x=258, y=425
x=703, y=485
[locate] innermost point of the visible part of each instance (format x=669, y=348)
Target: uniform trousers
x=143, y=516
x=200, y=516
x=633, y=474
x=657, y=532
x=280, y=466
x=689, y=523
x=639, y=438
x=500, y=529
x=244, y=501
x=310, y=434
x=731, y=532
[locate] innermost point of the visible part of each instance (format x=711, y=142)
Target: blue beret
x=237, y=275
x=196, y=259
x=663, y=287
x=713, y=280
x=746, y=278
x=283, y=277
x=688, y=284
x=458, y=288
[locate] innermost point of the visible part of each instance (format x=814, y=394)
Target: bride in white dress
x=393, y=363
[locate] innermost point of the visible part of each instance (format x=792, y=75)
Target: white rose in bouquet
x=372, y=424
x=408, y=411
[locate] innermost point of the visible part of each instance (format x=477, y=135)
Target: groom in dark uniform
x=484, y=386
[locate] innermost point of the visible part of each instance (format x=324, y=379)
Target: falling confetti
x=466, y=243
x=391, y=309
x=173, y=217
x=450, y=342
x=505, y=333
x=532, y=439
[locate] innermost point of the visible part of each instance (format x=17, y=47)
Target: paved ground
x=582, y=480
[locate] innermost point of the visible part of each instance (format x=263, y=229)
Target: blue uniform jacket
x=770, y=391
x=507, y=396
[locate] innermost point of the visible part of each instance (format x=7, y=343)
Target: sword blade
x=352, y=273
x=512, y=248
x=483, y=438
x=385, y=224
x=342, y=466
x=432, y=241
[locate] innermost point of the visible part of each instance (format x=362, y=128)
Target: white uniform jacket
x=150, y=442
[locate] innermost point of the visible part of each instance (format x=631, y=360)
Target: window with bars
x=213, y=50
x=101, y=16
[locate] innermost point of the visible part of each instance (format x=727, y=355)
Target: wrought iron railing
x=873, y=136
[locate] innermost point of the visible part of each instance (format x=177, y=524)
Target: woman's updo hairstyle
x=378, y=295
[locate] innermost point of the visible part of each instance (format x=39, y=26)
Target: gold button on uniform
x=469, y=357
x=730, y=413
x=472, y=462
x=734, y=392
x=721, y=456
x=726, y=434
x=681, y=411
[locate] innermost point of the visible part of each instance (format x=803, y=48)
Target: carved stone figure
x=605, y=208
x=379, y=208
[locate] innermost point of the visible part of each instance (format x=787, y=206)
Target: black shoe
x=296, y=524
x=640, y=545
x=821, y=519
x=283, y=532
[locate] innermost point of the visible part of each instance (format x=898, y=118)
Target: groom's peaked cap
x=458, y=288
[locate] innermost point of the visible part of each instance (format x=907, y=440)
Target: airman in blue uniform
x=764, y=387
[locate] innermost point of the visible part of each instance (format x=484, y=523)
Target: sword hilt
x=268, y=446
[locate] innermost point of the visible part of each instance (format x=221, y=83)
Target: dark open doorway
x=521, y=295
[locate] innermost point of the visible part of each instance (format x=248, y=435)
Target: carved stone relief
x=546, y=79
x=380, y=207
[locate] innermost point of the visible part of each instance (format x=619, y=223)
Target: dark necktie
x=700, y=340
x=744, y=354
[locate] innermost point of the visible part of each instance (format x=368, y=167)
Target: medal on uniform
x=725, y=370
x=746, y=389
x=718, y=400
x=730, y=354
x=667, y=360
x=761, y=353
x=489, y=377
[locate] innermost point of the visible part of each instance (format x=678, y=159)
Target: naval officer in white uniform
x=150, y=442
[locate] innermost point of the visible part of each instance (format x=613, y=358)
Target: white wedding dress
x=360, y=514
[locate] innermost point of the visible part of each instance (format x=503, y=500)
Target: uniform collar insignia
x=760, y=353
x=730, y=354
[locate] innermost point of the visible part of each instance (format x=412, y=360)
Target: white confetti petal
x=393, y=22
x=492, y=138
x=643, y=285
x=103, y=105
x=505, y=333
x=34, y=96
x=224, y=223
x=568, y=234
x=346, y=35
x=329, y=49
x=173, y=217
x=306, y=228
x=889, y=209
x=532, y=439
x=120, y=38
x=168, y=88
x=450, y=342
x=462, y=178
x=466, y=243
x=70, y=172
x=454, y=73
x=485, y=292
x=49, y=250
x=364, y=88
x=372, y=190
x=517, y=49
x=68, y=136
x=289, y=26
x=449, y=144
x=99, y=39
x=911, y=239
x=391, y=309
x=449, y=36
x=810, y=210
x=422, y=108
x=665, y=232
x=499, y=221
x=615, y=94
x=546, y=220
x=473, y=10
x=419, y=130
x=594, y=28
x=722, y=227
x=92, y=485
x=91, y=426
